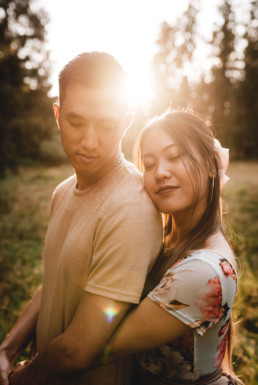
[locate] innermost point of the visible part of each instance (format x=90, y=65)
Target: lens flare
x=110, y=312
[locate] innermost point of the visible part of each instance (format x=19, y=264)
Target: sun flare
x=139, y=88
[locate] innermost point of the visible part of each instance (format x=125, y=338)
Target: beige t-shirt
x=101, y=240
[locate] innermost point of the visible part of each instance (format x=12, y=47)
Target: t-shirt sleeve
x=196, y=293
x=126, y=243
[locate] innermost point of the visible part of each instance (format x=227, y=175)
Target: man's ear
x=128, y=121
x=56, y=109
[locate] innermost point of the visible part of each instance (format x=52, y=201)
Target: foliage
x=229, y=98
x=24, y=209
x=176, y=46
x=25, y=109
x=241, y=197
x=246, y=134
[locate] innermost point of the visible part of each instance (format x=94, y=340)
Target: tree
x=222, y=88
x=246, y=133
x=176, y=47
x=25, y=108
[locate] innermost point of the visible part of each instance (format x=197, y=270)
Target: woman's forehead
x=156, y=137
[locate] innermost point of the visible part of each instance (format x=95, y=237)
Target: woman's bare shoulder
x=219, y=244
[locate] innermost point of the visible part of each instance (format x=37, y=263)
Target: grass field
x=24, y=210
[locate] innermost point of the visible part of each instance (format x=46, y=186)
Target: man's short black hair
x=96, y=70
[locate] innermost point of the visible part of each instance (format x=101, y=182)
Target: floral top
x=200, y=292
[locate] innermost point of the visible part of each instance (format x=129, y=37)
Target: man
x=103, y=235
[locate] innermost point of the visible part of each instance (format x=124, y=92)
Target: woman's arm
x=146, y=327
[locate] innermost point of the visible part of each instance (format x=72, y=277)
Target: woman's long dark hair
x=189, y=132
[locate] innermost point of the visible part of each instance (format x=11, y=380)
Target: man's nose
x=90, y=139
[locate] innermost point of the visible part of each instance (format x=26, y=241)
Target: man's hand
x=19, y=337
x=23, y=374
x=5, y=367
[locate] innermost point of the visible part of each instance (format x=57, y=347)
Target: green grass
x=241, y=196
x=24, y=210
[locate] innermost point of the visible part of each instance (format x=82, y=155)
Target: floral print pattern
x=199, y=291
x=227, y=269
x=220, y=352
x=209, y=301
x=223, y=329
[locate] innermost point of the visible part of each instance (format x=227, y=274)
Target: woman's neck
x=183, y=224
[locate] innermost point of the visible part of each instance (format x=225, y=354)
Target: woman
x=183, y=326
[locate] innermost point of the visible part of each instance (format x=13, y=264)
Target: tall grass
x=24, y=209
x=241, y=197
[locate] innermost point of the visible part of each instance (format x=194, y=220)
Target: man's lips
x=87, y=158
x=166, y=189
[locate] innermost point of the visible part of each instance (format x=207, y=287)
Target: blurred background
x=199, y=55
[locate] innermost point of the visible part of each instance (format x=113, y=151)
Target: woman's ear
x=213, y=172
x=212, y=167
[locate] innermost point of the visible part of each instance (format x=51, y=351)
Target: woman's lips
x=166, y=190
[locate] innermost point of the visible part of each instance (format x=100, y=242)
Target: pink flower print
x=226, y=268
x=220, y=352
x=185, y=345
x=223, y=329
x=209, y=301
x=175, y=264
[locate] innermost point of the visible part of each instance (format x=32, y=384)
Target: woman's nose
x=162, y=171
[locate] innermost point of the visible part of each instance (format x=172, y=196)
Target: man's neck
x=85, y=181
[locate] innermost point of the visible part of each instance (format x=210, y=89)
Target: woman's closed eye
x=174, y=157
x=149, y=165
x=173, y=154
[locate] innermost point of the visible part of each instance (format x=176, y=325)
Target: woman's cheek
x=147, y=180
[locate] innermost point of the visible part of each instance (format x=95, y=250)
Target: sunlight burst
x=139, y=87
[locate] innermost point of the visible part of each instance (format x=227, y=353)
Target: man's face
x=91, y=124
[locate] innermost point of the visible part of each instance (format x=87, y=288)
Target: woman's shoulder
x=198, y=259
x=204, y=278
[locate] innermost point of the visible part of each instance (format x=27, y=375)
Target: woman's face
x=167, y=174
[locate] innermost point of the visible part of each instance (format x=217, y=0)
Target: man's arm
x=19, y=337
x=95, y=320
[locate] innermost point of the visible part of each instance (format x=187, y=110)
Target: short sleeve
x=126, y=243
x=197, y=292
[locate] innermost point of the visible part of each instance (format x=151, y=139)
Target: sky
x=126, y=29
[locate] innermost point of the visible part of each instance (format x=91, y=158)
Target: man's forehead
x=76, y=92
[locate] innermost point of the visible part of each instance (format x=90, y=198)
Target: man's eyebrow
x=168, y=147
x=73, y=115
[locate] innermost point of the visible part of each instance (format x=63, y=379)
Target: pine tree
x=222, y=88
x=246, y=135
x=176, y=46
x=25, y=108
